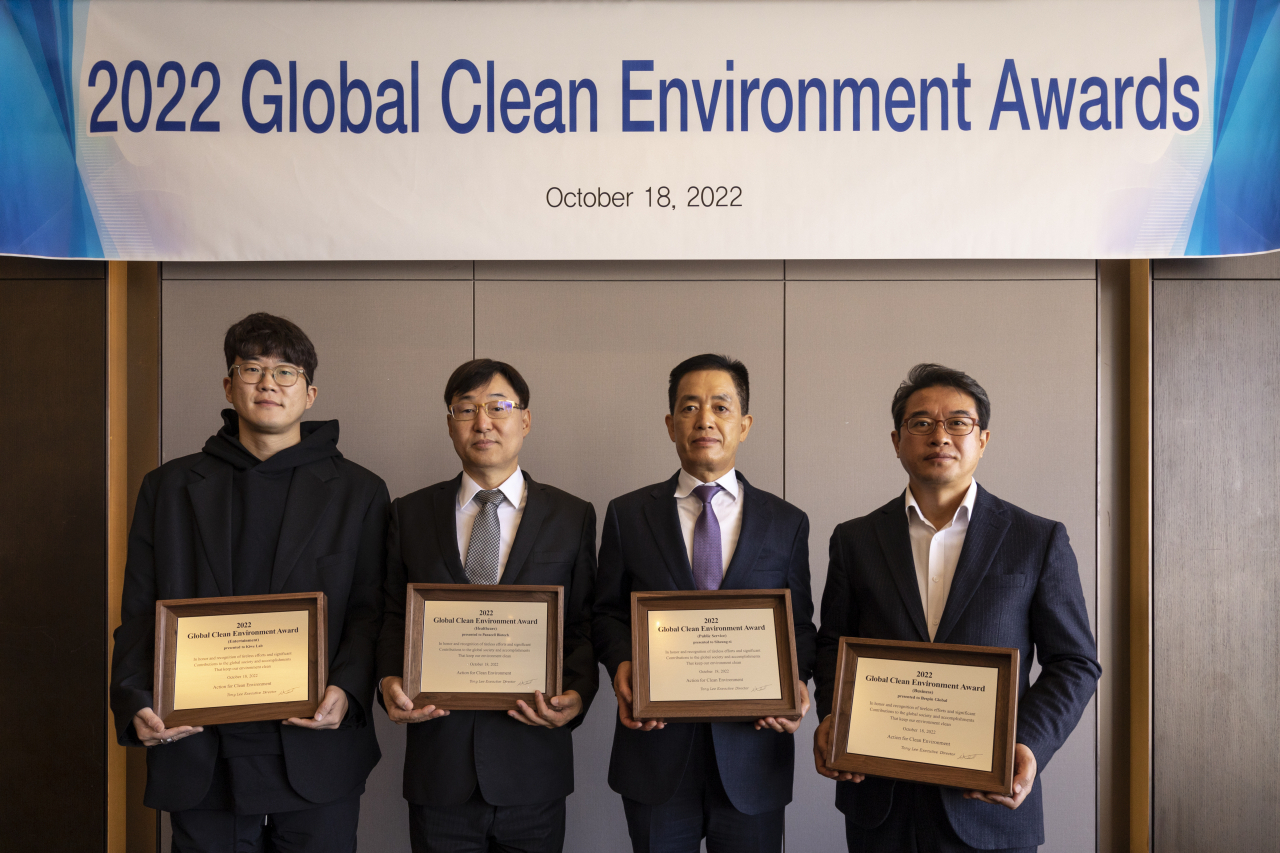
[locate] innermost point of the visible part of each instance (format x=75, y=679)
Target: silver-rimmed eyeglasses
x=284, y=375
x=953, y=426
x=495, y=409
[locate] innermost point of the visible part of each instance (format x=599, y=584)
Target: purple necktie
x=708, y=564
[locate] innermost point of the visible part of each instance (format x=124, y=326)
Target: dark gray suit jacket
x=1016, y=586
x=514, y=764
x=642, y=548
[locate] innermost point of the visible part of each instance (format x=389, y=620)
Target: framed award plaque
x=926, y=712
x=713, y=655
x=472, y=647
x=239, y=659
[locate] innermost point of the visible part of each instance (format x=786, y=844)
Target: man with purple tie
x=704, y=528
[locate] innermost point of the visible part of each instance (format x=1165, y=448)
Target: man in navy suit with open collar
x=481, y=781
x=949, y=562
x=704, y=528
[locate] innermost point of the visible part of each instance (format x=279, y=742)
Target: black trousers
x=476, y=826
x=699, y=809
x=917, y=823
x=330, y=828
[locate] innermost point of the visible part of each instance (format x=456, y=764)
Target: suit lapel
x=211, y=502
x=311, y=489
x=895, y=542
x=535, y=509
x=445, y=511
x=981, y=542
x=661, y=514
x=757, y=516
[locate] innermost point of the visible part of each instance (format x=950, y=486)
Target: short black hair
x=479, y=371
x=263, y=334
x=934, y=376
x=710, y=361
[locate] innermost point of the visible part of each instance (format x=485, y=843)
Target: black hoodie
x=260, y=489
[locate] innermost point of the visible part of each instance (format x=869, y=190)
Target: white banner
x=203, y=130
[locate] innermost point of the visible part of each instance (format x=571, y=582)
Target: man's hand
x=400, y=706
x=822, y=748
x=787, y=724
x=550, y=713
x=1024, y=776
x=151, y=731
x=622, y=688
x=333, y=707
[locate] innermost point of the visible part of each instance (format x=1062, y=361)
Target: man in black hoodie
x=268, y=506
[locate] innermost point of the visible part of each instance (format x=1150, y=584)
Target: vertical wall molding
x=1140, y=556
x=117, y=524
x=1113, y=556
x=133, y=449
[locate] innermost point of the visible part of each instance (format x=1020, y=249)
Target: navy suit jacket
x=1016, y=585
x=642, y=548
x=555, y=545
x=180, y=546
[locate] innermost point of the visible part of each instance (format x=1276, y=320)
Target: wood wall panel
x=1216, y=588
x=53, y=555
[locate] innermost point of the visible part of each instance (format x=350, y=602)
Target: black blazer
x=331, y=541
x=1016, y=586
x=642, y=548
x=513, y=763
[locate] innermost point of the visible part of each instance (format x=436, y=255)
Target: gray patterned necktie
x=486, y=539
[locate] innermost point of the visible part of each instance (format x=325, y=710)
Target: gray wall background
x=827, y=343
x=1216, y=528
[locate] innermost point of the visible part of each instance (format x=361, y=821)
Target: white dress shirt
x=728, y=507
x=510, y=510
x=936, y=553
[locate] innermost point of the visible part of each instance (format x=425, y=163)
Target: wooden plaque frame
x=169, y=611
x=714, y=710
x=998, y=780
x=417, y=594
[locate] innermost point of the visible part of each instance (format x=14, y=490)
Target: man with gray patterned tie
x=704, y=528
x=478, y=781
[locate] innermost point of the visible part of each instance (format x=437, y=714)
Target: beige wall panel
x=939, y=270
x=1032, y=345
x=319, y=270
x=1215, y=588
x=386, y=349
x=628, y=270
x=596, y=357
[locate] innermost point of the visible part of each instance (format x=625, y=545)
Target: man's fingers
x=149, y=719
x=426, y=712
x=398, y=697
x=393, y=696
x=529, y=716
x=326, y=708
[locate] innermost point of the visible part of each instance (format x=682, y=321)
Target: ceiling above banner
x=214, y=130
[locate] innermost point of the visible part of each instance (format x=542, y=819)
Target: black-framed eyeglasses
x=284, y=375
x=495, y=409
x=926, y=426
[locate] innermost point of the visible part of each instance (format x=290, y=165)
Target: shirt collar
x=512, y=489
x=963, y=513
x=687, y=483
